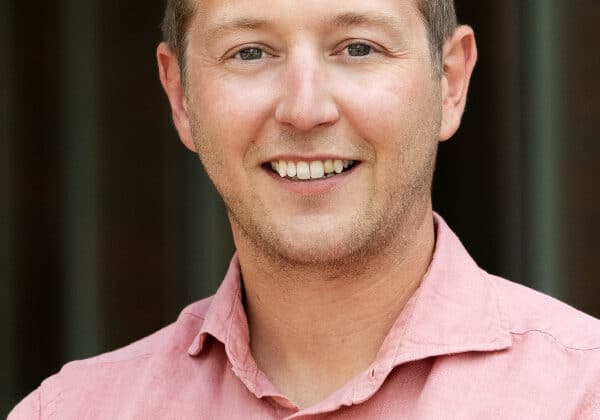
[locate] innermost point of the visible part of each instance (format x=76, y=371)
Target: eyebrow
x=365, y=19
x=235, y=24
x=338, y=21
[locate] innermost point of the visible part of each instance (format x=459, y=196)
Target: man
x=318, y=123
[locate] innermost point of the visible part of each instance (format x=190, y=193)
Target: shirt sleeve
x=28, y=408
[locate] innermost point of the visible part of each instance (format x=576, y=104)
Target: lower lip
x=313, y=186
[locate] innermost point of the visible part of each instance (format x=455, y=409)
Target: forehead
x=215, y=15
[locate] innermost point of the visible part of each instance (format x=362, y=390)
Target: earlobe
x=459, y=58
x=170, y=78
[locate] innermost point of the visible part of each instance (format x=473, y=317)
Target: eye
x=250, y=53
x=358, y=50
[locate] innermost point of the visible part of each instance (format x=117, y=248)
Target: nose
x=306, y=101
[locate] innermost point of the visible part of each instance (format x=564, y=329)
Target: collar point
x=197, y=345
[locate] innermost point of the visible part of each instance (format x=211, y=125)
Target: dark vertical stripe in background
x=33, y=189
x=81, y=197
x=544, y=35
x=108, y=225
x=8, y=388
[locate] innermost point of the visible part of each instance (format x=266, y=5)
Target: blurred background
x=108, y=225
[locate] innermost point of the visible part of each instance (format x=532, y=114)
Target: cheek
x=388, y=109
x=240, y=106
x=230, y=114
x=398, y=116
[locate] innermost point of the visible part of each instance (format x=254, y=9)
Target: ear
x=170, y=78
x=459, y=57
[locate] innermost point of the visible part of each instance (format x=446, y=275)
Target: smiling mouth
x=310, y=170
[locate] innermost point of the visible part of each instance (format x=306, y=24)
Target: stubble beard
x=370, y=235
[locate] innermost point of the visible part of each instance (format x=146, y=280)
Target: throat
x=310, y=351
x=312, y=372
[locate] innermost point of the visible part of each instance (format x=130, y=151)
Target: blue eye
x=358, y=50
x=251, y=53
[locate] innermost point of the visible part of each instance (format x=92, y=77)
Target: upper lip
x=298, y=158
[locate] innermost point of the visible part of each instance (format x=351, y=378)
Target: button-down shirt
x=468, y=345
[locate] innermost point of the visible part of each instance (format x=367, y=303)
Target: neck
x=314, y=329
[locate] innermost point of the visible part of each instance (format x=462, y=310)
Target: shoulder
x=533, y=312
x=552, y=337
x=28, y=409
x=114, y=368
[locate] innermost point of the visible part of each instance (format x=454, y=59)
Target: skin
x=326, y=270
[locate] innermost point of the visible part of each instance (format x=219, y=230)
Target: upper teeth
x=310, y=170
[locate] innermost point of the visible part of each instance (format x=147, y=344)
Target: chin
x=318, y=247
x=315, y=252
x=316, y=256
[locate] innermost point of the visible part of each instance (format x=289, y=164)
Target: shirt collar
x=226, y=319
x=455, y=309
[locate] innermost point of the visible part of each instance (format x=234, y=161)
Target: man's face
x=312, y=82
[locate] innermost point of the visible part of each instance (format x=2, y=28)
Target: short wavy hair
x=439, y=17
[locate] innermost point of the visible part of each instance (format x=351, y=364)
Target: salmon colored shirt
x=468, y=345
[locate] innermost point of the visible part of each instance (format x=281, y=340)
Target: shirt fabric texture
x=468, y=345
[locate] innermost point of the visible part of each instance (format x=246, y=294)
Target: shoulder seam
x=194, y=315
x=110, y=362
x=555, y=339
x=39, y=400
